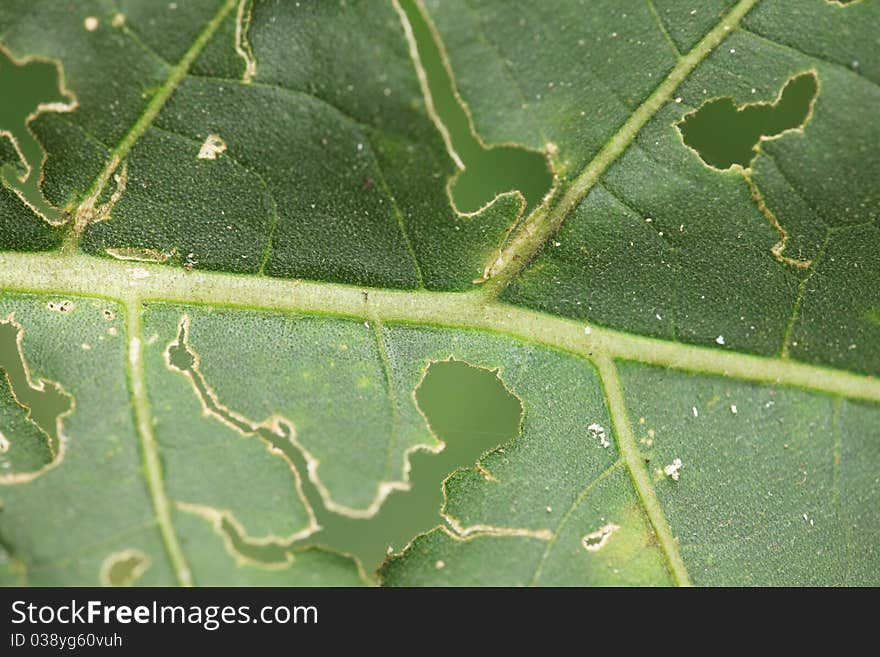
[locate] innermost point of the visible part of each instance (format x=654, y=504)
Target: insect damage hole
x=484, y=171
x=64, y=306
x=212, y=147
x=595, y=541
x=725, y=135
x=37, y=86
x=42, y=404
x=123, y=568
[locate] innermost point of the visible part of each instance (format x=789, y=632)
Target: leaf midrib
x=134, y=284
x=71, y=273
x=141, y=282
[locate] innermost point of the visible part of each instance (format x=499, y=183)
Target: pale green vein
x=392, y=398
x=151, y=111
x=582, y=496
x=802, y=291
x=267, y=250
x=785, y=46
x=629, y=451
x=398, y=215
x=662, y=27
x=149, y=446
x=79, y=274
x=835, y=430
x=543, y=223
x=269, y=194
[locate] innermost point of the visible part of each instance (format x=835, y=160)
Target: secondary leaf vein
x=542, y=224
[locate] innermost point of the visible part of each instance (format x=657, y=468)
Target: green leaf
x=440, y=293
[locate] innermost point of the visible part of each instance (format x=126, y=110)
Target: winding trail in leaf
x=71, y=273
x=146, y=283
x=415, y=507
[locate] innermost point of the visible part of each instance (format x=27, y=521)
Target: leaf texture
x=232, y=251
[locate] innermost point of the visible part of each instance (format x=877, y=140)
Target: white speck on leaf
x=733, y=408
x=672, y=469
x=212, y=147
x=597, y=432
x=695, y=411
x=720, y=339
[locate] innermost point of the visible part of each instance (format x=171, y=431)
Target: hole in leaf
x=468, y=407
x=28, y=88
x=124, y=568
x=488, y=171
x=29, y=410
x=724, y=135
x=472, y=412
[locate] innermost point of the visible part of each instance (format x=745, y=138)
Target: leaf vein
x=151, y=111
x=662, y=27
x=579, y=499
x=544, y=222
x=785, y=46
x=629, y=451
x=149, y=446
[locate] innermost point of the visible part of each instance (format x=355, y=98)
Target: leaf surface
x=233, y=258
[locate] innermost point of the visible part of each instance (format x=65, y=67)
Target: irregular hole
x=123, y=568
x=23, y=448
x=35, y=443
x=472, y=412
x=723, y=134
x=595, y=541
x=488, y=171
x=30, y=87
x=468, y=407
x=45, y=401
